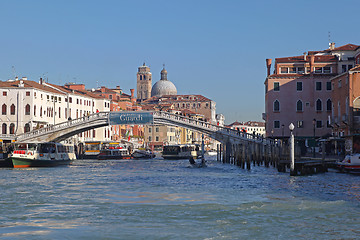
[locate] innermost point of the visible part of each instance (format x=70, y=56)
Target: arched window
x=276, y=106
x=328, y=105
x=3, y=109
x=27, y=128
x=140, y=77
x=4, y=127
x=41, y=111
x=34, y=110
x=12, y=128
x=318, y=105
x=12, y=109
x=59, y=112
x=27, y=109
x=299, y=106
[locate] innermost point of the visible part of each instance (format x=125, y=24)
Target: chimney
x=304, y=56
x=102, y=89
x=268, y=65
x=24, y=78
x=41, y=81
x=331, y=46
x=16, y=78
x=312, y=61
x=117, y=87
x=133, y=100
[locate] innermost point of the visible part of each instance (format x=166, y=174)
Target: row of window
x=49, y=112
x=299, y=86
x=300, y=124
x=300, y=108
x=4, y=128
x=302, y=70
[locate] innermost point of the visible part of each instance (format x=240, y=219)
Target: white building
x=251, y=127
x=27, y=105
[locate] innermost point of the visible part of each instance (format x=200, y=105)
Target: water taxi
x=142, y=154
x=180, y=151
x=41, y=154
x=351, y=163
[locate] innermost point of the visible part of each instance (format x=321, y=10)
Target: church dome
x=163, y=86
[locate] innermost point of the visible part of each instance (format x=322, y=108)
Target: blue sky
x=214, y=48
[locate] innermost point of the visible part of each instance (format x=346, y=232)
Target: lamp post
x=314, y=125
x=292, y=150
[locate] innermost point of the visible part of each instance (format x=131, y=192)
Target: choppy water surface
x=162, y=199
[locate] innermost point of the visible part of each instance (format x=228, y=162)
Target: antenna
x=14, y=72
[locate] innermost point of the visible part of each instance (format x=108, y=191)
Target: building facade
x=299, y=91
x=345, y=119
x=28, y=105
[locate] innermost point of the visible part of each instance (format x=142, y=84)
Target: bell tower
x=144, y=83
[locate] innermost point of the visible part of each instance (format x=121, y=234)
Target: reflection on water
x=155, y=199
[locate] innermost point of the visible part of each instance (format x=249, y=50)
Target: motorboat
x=351, y=163
x=41, y=154
x=142, y=154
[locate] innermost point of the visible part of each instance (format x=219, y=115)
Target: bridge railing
x=213, y=128
x=53, y=128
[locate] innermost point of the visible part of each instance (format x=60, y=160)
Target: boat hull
x=109, y=157
x=24, y=163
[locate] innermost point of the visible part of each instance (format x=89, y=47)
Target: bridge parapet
x=62, y=126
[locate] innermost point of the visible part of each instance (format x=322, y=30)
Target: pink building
x=299, y=91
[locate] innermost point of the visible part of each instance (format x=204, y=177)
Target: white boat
x=142, y=154
x=211, y=153
x=351, y=163
x=42, y=154
x=180, y=151
x=114, y=153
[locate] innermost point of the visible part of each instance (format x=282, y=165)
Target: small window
x=276, y=106
x=157, y=139
x=3, y=109
x=318, y=86
x=318, y=124
x=327, y=69
x=300, y=124
x=284, y=70
x=12, y=109
x=292, y=70
x=339, y=83
x=27, y=93
x=276, y=124
x=4, y=93
x=343, y=68
x=328, y=86
x=300, y=69
x=299, y=106
x=149, y=130
x=156, y=129
x=318, y=69
x=318, y=105
x=299, y=86
x=276, y=86
x=27, y=109
x=328, y=105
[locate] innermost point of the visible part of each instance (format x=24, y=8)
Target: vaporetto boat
x=180, y=151
x=42, y=154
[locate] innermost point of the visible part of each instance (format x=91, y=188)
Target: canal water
x=162, y=199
